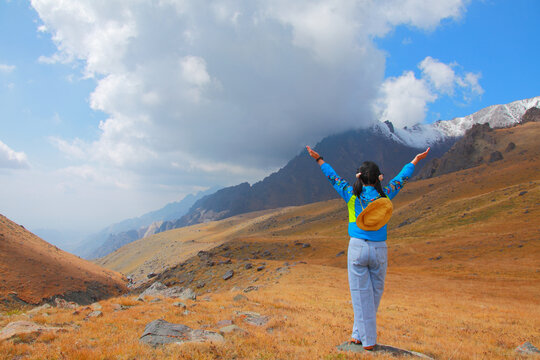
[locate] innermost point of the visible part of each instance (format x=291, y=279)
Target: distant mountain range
x=301, y=181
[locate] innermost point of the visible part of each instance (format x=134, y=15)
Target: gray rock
x=96, y=306
x=260, y=268
x=229, y=274
x=253, y=318
x=232, y=329
x=224, y=323
x=158, y=289
x=248, y=266
x=240, y=297
x=94, y=314
x=38, y=309
x=341, y=253
x=180, y=304
x=160, y=332
x=379, y=348
x=251, y=288
x=306, y=245
x=528, y=349
x=25, y=327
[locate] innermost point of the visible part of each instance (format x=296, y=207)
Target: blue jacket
x=369, y=194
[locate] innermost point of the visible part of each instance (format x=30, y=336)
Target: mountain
x=116, y=235
x=423, y=135
x=478, y=145
x=300, y=181
x=33, y=271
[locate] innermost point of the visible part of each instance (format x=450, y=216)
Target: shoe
x=369, y=348
x=354, y=341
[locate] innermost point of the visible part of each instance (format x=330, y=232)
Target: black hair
x=369, y=176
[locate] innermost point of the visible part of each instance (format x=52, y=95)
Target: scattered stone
x=528, y=349
x=225, y=262
x=25, y=327
x=298, y=243
x=224, y=323
x=240, y=297
x=229, y=274
x=511, y=146
x=162, y=332
x=38, y=309
x=260, y=268
x=266, y=253
x=495, y=156
x=232, y=329
x=306, y=245
x=180, y=304
x=522, y=193
x=63, y=304
x=253, y=318
x=201, y=285
x=94, y=314
x=158, y=289
x=151, y=275
x=248, y=266
x=235, y=289
x=251, y=288
x=155, y=300
x=96, y=306
x=346, y=346
x=119, y=307
x=341, y=253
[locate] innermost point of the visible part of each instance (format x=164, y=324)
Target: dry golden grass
x=463, y=280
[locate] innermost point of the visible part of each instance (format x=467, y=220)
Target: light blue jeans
x=366, y=263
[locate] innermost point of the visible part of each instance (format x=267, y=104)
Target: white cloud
x=10, y=159
x=404, y=100
x=5, y=68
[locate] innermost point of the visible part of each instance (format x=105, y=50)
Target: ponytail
x=368, y=174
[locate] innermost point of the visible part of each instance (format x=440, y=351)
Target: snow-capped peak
x=423, y=135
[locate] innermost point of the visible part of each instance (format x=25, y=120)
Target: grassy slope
x=35, y=269
x=463, y=281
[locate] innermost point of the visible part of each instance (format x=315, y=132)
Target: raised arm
x=340, y=185
x=397, y=183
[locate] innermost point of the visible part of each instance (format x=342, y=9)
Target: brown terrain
x=463, y=279
x=33, y=271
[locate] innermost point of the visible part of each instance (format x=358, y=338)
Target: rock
x=201, y=285
x=158, y=289
x=119, y=307
x=495, y=156
x=522, y=193
x=25, y=327
x=162, y=332
x=63, y=304
x=528, y=349
x=151, y=275
x=94, y=314
x=306, y=245
x=346, y=346
x=96, y=306
x=232, y=329
x=260, y=268
x=341, y=253
x=38, y=309
x=266, y=253
x=155, y=300
x=229, y=274
x=251, y=288
x=511, y=146
x=224, y=323
x=248, y=266
x=253, y=318
x=240, y=297
x=180, y=304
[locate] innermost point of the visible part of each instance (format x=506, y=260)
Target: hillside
x=33, y=271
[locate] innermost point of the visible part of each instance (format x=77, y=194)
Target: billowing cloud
x=404, y=100
x=10, y=159
x=201, y=93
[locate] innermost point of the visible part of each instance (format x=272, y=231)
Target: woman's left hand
x=420, y=156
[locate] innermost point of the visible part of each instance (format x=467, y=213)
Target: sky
x=113, y=108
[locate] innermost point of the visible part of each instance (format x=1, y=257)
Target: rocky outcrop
x=531, y=115
x=465, y=153
x=158, y=289
x=25, y=327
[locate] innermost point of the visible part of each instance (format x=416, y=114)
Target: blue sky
x=109, y=110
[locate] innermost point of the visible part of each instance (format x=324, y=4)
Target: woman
x=367, y=253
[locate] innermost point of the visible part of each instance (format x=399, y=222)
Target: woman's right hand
x=314, y=155
x=420, y=156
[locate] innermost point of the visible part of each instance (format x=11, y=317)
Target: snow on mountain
x=422, y=135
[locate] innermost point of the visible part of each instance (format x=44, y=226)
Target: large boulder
x=160, y=332
x=25, y=327
x=158, y=289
